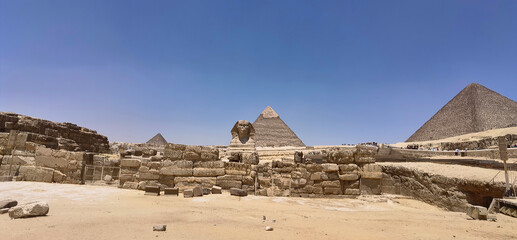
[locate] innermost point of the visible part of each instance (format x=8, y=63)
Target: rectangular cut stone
x=152, y=190
x=348, y=168
x=173, y=154
x=236, y=166
x=330, y=167
x=188, y=193
x=230, y=177
x=349, y=177
x=130, y=163
x=477, y=212
x=352, y=191
x=235, y=172
x=36, y=174
x=209, y=164
x=238, y=192
x=227, y=184
x=192, y=156
x=173, y=171
x=332, y=190
x=216, y=190
x=208, y=172
x=335, y=184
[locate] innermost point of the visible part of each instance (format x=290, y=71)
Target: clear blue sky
x=335, y=71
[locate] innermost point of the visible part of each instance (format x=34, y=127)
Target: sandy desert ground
x=97, y=212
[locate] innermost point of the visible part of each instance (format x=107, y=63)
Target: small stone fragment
x=217, y=190
x=188, y=193
x=160, y=228
x=269, y=229
x=206, y=191
x=198, y=192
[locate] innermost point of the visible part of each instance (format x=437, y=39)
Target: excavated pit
x=451, y=193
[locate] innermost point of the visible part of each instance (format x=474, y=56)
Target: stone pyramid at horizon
x=271, y=131
x=157, y=140
x=475, y=109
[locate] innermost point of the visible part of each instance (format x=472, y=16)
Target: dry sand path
x=97, y=212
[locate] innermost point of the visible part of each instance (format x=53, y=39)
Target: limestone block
x=216, y=190
x=183, y=164
x=192, y=156
x=154, y=165
x=477, y=212
x=238, y=192
x=317, y=176
x=236, y=166
x=173, y=146
x=29, y=210
x=209, y=164
x=331, y=184
x=167, y=163
x=365, y=160
x=247, y=180
x=188, y=193
x=143, y=169
x=372, y=171
x=173, y=154
x=352, y=191
x=171, y=191
x=341, y=156
x=330, y=167
x=207, y=156
x=235, y=172
x=152, y=190
x=296, y=183
x=51, y=162
x=227, y=184
x=128, y=163
x=36, y=174
x=250, y=158
x=348, y=168
x=264, y=182
x=173, y=171
x=314, y=167
x=332, y=190
x=349, y=177
x=230, y=177
x=208, y=172
x=43, y=151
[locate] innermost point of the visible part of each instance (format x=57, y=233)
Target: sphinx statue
x=242, y=147
x=243, y=135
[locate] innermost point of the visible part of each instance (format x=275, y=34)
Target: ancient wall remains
x=317, y=173
x=53, y=135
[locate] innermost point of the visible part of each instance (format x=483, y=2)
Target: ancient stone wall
x=53, y=135
x=318, y=173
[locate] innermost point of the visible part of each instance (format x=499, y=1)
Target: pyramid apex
x=158, y=139
x=269, y=113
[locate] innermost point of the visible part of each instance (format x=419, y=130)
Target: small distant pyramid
x=271, y=131
x=157, y=140
x=475, y=109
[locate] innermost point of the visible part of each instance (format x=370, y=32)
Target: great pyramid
x=157, y=140
x=476, y=108
x=271, y=131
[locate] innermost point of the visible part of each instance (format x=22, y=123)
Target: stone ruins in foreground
x=263, y=158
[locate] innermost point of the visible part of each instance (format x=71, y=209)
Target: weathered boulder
x=197, y=191
x=217, y=190
x=33, y=209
